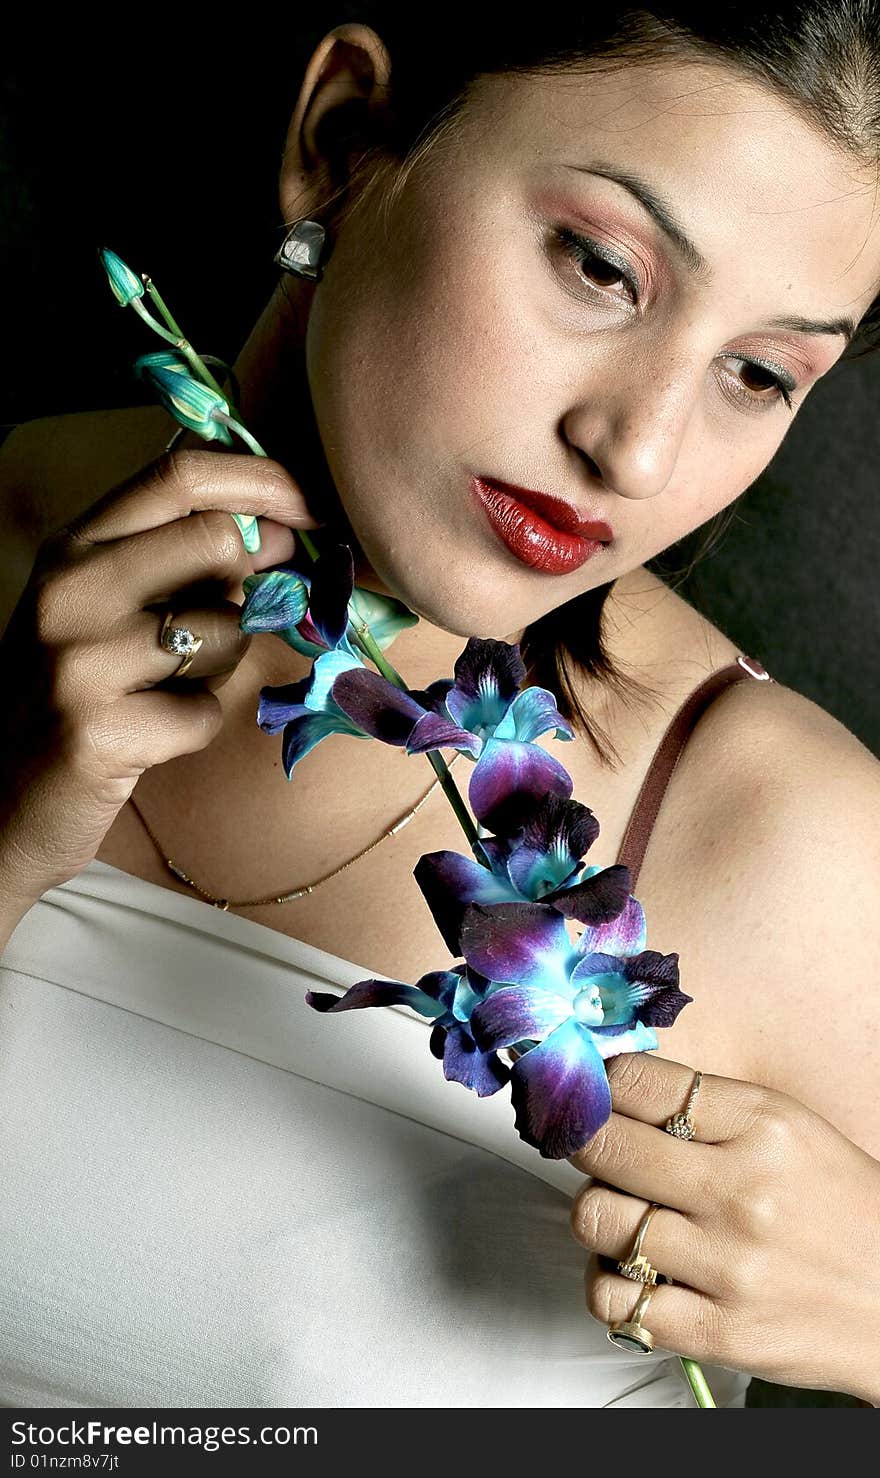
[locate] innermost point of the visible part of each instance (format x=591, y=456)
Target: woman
x=261, y=1207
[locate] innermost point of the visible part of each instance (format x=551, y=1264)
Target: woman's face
x=467, y=339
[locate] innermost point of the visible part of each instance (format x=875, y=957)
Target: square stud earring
x=303, y=250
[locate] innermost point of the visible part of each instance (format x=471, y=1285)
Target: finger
x=179, y=483
x=677, y=1246
x=223, y=644
x=647, y=1162
x=127, y=574
x=277, y=546
x=681, y=1320
x=653, y=1089
x=130, y=658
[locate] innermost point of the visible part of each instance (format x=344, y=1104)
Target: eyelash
x=581, y=249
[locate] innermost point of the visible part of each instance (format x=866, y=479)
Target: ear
x=338, y=115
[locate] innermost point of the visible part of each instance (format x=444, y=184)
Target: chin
x=448, y=603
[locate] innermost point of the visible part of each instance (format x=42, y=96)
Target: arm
x=790, y=872
x=770, y=1219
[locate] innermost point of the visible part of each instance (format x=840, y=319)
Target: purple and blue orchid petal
x=307, y=729
x=449, y=882
x=436, y=731
x=560, y=1092
x=464, y=1062
x=277, y=706
x=332, y=586
x=377, y=993
x=332, y=664
x=626, y=934
x=596, y=899
x=443, y=986
x=305, y=709
x=610, y=1041
x=652, y=980
x=508, y=779
x=302, y=636
x=465, y=998
x=604, y=974
x=548, y=850
x=274, y=600
x=496, y=849
x=532, y=713
x=518, y=944
x=515, y=1013
x=379, y=707
x=643, y=988
x=487, y=676
x=433, y=697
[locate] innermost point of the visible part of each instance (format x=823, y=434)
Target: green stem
x=697, y=1382
x=371, y=648
x=363, y=636
x=182, y=343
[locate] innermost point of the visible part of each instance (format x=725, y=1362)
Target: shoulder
x=54, y=467
x=780, y=861
x=765, y=749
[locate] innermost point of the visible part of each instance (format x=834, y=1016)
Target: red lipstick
x=543, y=531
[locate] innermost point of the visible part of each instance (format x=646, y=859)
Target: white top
x=213, y=1195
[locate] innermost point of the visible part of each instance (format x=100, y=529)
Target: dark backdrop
x=137, y=149
x=124, y=138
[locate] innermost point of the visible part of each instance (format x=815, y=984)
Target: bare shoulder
x=53, y=468
x=778, y=858
x=765, y=746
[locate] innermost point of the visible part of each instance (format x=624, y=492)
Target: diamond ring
x=179, y=640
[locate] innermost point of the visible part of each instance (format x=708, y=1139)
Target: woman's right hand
x=85, y=683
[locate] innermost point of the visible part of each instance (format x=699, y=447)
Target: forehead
x=738, y=163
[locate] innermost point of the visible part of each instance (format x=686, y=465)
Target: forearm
x=14, y=904
x=10, y=918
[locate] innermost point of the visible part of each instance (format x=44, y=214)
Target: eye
x=782, y=387
x=585, y=253
x=592, y=261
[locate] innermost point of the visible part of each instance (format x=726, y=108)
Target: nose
x=630, y=429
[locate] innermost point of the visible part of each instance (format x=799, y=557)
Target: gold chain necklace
x=227, y=903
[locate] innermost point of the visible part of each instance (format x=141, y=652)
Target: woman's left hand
x=769, y=1227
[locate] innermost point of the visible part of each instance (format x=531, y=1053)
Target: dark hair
x=822, y=57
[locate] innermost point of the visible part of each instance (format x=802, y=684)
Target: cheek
x=413, y=371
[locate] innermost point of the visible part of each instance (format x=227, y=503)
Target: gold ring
x=179, y=640
x=630, y=1334
x=636, y=1265
x=682, y=1125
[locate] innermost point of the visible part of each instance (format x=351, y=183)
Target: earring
x=304, y=250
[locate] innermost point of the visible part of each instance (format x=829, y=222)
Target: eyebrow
x=662, y=213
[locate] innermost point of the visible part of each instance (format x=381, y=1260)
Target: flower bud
x=124, y=284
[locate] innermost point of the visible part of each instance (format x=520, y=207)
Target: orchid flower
x=566, y=1007
x=580, y=1003
x=540, y=862
x=447, y=997
x=482, y=712
x=312, y=612
x=278, y=601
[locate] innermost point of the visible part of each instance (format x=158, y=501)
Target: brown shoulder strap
x=644, y=814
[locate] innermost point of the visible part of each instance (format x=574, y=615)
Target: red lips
x=528, y=533
x=556, y=511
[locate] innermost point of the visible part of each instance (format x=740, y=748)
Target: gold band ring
x=682, y=1125
x=630, y=1334
x=636, y=1265
x=181, y=641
